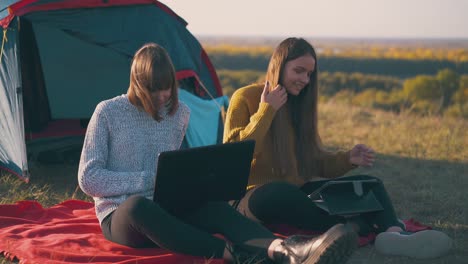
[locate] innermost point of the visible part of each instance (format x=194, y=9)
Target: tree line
x=420, y=80
x=445, y=93
x=455, y=54
x=402, y=68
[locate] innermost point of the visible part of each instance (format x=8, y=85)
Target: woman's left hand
x=362, y=155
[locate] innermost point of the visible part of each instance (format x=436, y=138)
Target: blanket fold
x=69, y=232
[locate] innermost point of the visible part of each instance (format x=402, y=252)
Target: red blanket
x=69, y=232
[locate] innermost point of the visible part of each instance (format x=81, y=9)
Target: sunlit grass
x=404, y=135
x=423, y=162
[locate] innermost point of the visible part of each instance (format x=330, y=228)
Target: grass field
x=423, y=162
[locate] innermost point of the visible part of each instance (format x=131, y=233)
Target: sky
x=325, y=18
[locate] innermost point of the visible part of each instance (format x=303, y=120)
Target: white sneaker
x=422, y=245
x=403, y=223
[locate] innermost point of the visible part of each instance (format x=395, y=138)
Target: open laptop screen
x=189, y=177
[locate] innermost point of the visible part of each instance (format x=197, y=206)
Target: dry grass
x=423, y=161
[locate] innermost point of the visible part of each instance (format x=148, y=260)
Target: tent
x=60, y=58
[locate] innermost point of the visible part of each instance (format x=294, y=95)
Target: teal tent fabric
x=103, y=41
x=70, y=55
x=205, y=127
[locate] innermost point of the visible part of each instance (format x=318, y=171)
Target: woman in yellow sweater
x=281, y=116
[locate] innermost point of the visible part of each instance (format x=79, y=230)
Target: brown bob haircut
x=152, y=70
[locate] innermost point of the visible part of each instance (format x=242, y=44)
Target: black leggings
x=283, y=203
x=139, y=223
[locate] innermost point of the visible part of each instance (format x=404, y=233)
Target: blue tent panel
x=12, y=145
x=4, y=4
x=204, y=119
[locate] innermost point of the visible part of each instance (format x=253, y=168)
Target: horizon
x=330, y=37
x=433, y=43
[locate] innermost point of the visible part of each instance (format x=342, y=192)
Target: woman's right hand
x=276, y=97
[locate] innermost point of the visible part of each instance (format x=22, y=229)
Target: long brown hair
x=152, y=70
x=302, y=111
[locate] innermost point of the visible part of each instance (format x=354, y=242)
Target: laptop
x=347, y=198
x=187, y=178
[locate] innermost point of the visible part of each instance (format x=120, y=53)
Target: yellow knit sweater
x=247, y=118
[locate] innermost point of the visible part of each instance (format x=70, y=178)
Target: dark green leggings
x=283, y=203
x=139, y=223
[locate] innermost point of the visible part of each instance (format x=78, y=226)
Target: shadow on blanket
x=69, y=233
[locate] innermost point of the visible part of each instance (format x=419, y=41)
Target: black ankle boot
x=334, y=246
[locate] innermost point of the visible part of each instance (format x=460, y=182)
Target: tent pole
x=19, y=98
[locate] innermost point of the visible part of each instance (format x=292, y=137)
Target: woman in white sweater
x=118, y=166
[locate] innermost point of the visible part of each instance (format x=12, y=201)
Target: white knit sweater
x=121, y=146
